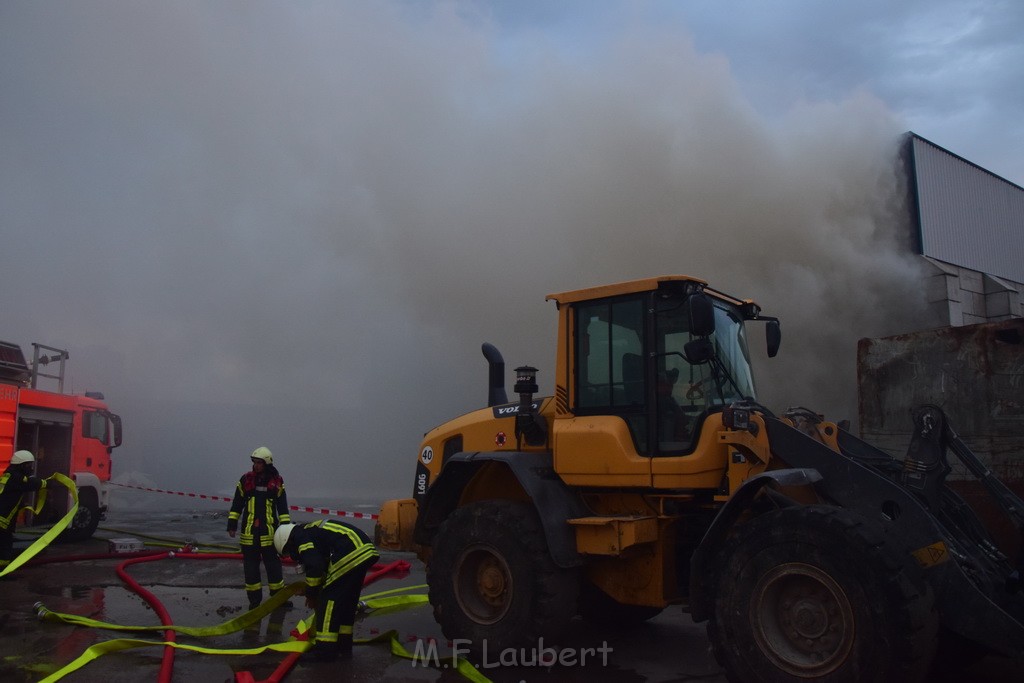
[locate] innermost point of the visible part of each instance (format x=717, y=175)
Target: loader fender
x=700, y=577
x=554, y=501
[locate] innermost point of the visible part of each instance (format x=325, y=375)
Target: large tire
x=955, y=655
x=87, y=518
x=601, y=609
x=818, y=593
x=492, y=581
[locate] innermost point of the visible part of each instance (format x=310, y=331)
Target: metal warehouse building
x=969, y=226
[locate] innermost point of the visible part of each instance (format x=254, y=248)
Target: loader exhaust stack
x=496, y=395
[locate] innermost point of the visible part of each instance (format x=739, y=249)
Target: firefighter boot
x=345, y=646
x=255, y=598
x=320, y=652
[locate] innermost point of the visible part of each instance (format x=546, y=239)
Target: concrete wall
x=959, y=296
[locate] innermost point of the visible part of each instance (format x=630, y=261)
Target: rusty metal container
x=975, y=373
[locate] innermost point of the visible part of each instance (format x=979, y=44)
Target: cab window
x=610, y=362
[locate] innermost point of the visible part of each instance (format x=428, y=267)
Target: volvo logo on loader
x=511, y=409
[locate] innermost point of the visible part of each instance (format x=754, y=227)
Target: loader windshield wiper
x=702, y=351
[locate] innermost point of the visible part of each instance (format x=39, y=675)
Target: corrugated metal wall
x=967, y=216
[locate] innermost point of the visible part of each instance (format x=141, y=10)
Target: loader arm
x=1011, y=504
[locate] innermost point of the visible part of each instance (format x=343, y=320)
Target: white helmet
x=21, y=457
x=263, y=453
x=281, y=537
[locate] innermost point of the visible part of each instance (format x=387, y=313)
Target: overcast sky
x=293, y=224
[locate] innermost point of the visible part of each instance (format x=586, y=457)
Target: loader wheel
x=599, y=608
x=87, y=518
x=817, y=593
x=492, y=581
x=956, y=653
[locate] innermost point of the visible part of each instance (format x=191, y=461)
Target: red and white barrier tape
x=295, y=508
x=173, y=493
x=337, y=513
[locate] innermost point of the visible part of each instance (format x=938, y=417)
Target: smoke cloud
x=294, y=224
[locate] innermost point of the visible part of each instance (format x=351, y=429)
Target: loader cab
x=642, y=366
x=632, y=362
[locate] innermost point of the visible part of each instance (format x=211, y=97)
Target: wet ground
x=199, y=593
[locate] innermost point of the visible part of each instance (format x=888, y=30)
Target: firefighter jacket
x=14, y=483
x=259, y=507
x=328, y=550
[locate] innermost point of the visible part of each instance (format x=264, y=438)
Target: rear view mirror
x=698, y=351
x=773, y=337
x=702, y=315
x=116, y=419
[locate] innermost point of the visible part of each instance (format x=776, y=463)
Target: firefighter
x=17, y=480
x=335, y=556
x=260, y=506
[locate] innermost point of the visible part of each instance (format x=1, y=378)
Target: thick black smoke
x=294, y=224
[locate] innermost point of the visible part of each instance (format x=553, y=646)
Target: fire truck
x=73, y=434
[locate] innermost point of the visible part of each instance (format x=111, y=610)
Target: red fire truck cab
x=73, y=434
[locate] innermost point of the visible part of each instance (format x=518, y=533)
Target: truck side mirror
x=116, y=419
x=702, y=315
x=773, y=337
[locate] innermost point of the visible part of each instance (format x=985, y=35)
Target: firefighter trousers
x=336, y=608
x=6, y=547
x=252, y=555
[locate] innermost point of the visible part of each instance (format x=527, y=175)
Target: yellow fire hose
x=385, y=602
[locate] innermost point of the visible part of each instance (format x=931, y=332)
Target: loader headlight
x=735, y=417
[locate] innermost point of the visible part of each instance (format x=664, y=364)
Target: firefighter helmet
x=21, y=457
x=263, y=453
x=281, y=537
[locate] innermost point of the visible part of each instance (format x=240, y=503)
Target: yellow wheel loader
x=653, y=478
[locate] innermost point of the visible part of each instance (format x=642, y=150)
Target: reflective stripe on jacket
x=259, y=507
x=12, y=487
x=328, y=550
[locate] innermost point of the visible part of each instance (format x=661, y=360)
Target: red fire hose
x=167, y=664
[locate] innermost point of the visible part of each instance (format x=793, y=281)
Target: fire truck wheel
x=599, y=608
x=86, y=519
x=492, y=581
x=816, y=592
